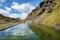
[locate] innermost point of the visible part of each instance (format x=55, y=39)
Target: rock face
x=46, y=5
x=47, y=13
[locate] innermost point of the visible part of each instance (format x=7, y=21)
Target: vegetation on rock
x=4, y=19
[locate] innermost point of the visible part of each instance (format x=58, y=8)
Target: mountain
x=47, y=13
x=45, y=20
x=4, y=19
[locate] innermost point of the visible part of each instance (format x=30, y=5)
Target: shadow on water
x=18, y=32
x=45, y=32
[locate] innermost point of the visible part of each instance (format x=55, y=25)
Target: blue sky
x=17, y=8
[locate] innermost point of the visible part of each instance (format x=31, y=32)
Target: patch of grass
x=6, y=25
x=45, y=32
x=54, y=18
x=3, y=25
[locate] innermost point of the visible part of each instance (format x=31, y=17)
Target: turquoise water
x=18, y=32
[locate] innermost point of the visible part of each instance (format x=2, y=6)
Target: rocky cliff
x=47, y=13
x=43, y=6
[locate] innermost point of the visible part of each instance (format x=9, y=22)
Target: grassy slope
x=2, y=25
x=7, y=21
x=50, y=19
x=6, y=25
x=54, y=18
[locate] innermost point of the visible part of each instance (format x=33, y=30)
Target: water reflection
x=18, y=30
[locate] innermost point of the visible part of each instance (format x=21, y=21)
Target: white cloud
x=14, y=15
x=25, y=8
x=2, y=11
x=8, y=9
x=23, y=15
x=2, y=1
x=8, y=14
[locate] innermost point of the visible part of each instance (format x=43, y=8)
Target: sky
x=17, y=8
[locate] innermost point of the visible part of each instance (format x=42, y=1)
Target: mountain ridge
x=4, y=19
x=47, y=13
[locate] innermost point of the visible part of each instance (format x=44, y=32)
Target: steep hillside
x=43, y=6
x=47, y=13
x=4, y=19
x=54, y=18
x=45, y=20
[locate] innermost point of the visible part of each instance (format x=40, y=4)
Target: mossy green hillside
x=54, y=18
